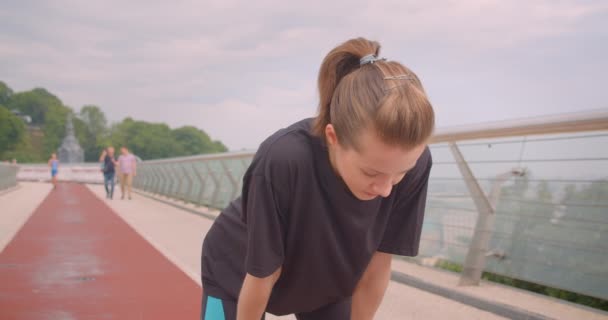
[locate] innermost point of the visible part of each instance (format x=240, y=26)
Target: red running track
x=76, y=259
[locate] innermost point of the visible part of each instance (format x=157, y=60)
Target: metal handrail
x=563, y=123
x=593, y=120
x=215, y=156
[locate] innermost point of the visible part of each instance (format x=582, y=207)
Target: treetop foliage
x=35, y=141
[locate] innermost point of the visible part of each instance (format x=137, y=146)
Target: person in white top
x=127, y=169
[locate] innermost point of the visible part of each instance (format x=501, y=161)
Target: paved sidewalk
x=501, y=294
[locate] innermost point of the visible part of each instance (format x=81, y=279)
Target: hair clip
x=370, y=58
x=399, y=84
x=400, y=77
x=394, y=87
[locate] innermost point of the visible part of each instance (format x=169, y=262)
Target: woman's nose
x=383, y=188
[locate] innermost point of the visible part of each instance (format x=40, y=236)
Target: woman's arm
x=254, y=296
x=370, y=289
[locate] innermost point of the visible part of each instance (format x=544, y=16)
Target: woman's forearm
x=254, y=296
x=371, y=288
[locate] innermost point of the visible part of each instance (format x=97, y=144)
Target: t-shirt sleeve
x=264, y=202
x=402, y=233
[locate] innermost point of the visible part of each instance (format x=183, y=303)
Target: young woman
x=54, y=165
x=327, y=201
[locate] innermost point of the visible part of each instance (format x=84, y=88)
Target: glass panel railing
x=551, y=215
x=539, y=211
x=211, y=181
x=8, y=176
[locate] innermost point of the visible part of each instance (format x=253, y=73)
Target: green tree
x=54, y=128
x=35, y=103
x=47, y=130
x=96, y=131
x=5, y=93
x=192, y=141
x=219, y=146
x=147, y=140
x=12, y=131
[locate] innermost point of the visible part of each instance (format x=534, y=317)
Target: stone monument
x=70, y=151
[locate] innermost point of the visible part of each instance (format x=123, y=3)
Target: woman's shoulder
x=290, y=146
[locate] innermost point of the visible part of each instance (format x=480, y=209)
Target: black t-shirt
x=295, y=212
x=108, y=164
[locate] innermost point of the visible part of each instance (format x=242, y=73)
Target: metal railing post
x=475, y=261
x=178, y=179
x=201, y=192
x=140, y=178
x=164, y=180
x=216, y=182
x=155, y=179
x=187, y=192
x=233, y=181
x=148, y=178
x=174, y=181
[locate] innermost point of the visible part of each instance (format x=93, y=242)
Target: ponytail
x=339, y=62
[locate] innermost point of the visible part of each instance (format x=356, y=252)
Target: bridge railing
x=8, y=176
x=209, y=180
x=526, y=199
x=75, y=172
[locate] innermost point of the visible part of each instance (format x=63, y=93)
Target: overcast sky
x=240, y=70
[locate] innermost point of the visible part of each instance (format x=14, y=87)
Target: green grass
x=530, y=286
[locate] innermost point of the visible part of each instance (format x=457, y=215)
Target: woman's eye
x=371, y=175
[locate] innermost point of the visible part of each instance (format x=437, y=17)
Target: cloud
x=242, y=69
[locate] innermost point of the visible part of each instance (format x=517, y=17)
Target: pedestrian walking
x=109, y=170
x=54, y=165
x=127, y=166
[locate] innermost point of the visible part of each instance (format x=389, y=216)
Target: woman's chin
x=365, y=196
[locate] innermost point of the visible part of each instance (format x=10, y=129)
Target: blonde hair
x=384, y=96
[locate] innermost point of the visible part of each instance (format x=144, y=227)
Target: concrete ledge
x=175, y=204
x=10, y=189
x=500, y=309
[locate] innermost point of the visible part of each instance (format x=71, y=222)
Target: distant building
x=27, y=119
x=70, y=151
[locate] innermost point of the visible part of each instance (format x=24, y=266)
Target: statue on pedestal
x=70, y=150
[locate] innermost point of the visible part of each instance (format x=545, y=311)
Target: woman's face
x=373, y=170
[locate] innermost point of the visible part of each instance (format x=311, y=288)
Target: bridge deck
x=80, y=256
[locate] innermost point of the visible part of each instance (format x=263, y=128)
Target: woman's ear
x=330, y=135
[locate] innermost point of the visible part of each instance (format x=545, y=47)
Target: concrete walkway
x=17, y=205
